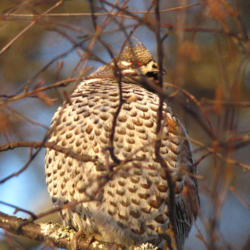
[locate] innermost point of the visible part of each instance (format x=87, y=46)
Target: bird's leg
x=78, y=235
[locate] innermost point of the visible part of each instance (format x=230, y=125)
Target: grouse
x=113, y=116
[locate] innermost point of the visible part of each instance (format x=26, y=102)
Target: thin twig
x=51, y=233
x=101, y=14
x=164, y=164
x=240, y=198
x=7, y=46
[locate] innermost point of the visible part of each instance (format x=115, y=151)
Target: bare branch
x=51, y=234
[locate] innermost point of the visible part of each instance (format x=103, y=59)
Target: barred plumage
x=129, y=202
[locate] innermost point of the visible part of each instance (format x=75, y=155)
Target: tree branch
x=50, y=233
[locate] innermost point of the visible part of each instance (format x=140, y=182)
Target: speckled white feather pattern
x=131, y=202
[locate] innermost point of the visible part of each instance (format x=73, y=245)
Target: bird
x=112, y=116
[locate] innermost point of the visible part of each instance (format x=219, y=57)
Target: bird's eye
x=135, y=65
x=154, y=66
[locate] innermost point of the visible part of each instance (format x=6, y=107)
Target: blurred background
x=206, y=53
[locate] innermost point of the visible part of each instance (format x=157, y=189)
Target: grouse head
x=135, y=60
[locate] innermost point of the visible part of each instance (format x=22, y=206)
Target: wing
x=186, y=189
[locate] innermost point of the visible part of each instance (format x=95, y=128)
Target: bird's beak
x=157, y=71
x=164, y=72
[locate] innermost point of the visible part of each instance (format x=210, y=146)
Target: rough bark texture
x=51, y=234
